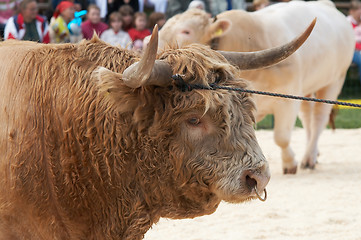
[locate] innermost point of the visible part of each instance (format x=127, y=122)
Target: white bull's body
x=317, y=69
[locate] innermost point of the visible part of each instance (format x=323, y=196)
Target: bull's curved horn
x=268, y=57
x=148, y=71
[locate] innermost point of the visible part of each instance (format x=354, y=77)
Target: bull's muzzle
x=256, y=180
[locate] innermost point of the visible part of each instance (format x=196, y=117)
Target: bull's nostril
x=251, y=182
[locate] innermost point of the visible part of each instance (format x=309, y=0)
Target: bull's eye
x=186, y=32
x=194, y=121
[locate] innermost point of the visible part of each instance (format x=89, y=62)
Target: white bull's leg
x=320, y=116
x=285, y=117
x=306, y=116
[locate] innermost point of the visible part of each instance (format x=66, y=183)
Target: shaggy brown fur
x=82, y=156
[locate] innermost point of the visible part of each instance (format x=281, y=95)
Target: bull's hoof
x=307, y=165
x=292, y=170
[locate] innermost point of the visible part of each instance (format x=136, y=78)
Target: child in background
x=127, y=13
x=115, y=35
x=93, y=23
x=156, y=18
x=140, y=31
x=63, y=14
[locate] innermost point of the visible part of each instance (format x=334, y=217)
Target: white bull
x=317, y=69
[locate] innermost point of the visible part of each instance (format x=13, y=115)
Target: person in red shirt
x=93, y=23
x=140, y=31
x=354, y=18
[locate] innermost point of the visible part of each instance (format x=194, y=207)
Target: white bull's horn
x=268, y=57
x=148, y=71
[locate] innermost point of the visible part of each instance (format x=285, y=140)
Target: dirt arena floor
x=323, y=204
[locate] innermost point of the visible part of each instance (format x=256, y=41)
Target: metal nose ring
x=259, y=196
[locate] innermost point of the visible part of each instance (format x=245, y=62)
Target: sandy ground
x=321, y=204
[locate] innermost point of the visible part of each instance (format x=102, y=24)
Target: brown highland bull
x=95, y=143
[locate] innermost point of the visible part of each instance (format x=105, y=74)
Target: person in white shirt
x=115, y=35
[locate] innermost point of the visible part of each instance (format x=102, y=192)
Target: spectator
x=127, y=13
x=63, y=14
x=8, y=8
x=355, y=18
x=115, y=5
x=93, y=23
x=156, y=18
x=27, y=25
x=140, y=31
x=78, y=4
x=115, y=35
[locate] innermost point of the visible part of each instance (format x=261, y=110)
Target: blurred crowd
x=118, y=22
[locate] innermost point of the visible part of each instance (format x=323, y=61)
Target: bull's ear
x=107, y=81
x=113, y=91
x=219, y=27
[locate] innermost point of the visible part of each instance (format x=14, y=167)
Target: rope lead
x=183, y=86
